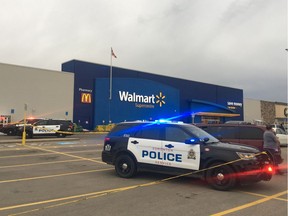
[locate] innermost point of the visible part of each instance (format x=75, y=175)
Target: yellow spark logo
x=160, y=99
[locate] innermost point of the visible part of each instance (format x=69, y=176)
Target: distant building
x=90, y=95
x=47, y=93
x=102, y=97
x=265, y=111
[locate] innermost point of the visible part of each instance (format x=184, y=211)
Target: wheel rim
x=124, y=167
x=221, y=177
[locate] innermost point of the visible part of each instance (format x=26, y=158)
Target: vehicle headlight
x=246, y=156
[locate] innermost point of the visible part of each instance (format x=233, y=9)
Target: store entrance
x=210, y=120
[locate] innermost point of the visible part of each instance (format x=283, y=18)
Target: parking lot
x=67, y=177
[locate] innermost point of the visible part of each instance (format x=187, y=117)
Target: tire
x=221, y=177
x=125, y=166
x=10, y=133
x=61, y=135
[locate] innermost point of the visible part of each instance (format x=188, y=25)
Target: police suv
x=180, y=148
x=48, y=127
x=13, y=128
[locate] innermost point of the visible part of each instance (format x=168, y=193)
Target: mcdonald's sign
x=86, y=98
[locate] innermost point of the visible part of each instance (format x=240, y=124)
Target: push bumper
x=256, y=172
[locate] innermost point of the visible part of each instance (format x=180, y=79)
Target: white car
x=282, y=136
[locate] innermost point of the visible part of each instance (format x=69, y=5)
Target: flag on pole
x=112, y=53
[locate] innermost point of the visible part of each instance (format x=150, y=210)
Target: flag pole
x=110, y=80
x=112, y=54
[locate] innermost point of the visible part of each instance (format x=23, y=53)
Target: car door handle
x=169, y=146
x=134, y=142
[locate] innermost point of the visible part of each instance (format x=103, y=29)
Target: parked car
x=49, y=127
x=248, y=134
x=13, y=128
x=282, y=135
x=237, y=122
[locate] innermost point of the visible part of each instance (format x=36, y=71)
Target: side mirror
x=206, y=139
x=194, y=141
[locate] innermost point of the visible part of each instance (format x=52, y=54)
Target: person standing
x=272, y=147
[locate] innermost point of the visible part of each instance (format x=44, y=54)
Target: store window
x=210, y=120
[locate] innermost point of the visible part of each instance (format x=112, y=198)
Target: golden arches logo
x=160, y=99
x=86, y=98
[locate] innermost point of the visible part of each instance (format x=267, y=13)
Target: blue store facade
x=102, y=96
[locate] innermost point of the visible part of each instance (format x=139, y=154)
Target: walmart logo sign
x=160, y=99
x=132, y=97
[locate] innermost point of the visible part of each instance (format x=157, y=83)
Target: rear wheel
x=61, y=135
x=125, y=166
x=10, y=133
x=222, y=177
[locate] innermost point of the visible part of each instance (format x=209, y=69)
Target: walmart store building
x=102, y=96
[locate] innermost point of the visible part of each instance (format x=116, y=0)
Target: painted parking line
x=61, y=153
x=37, y=164
x=53, y=176
x=261, y=195
x=21, y=147
x=8, y=145
x=43, y=154
x=239, y=208
x=79, y=197
x=67, y=143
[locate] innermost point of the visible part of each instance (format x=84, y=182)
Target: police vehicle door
x=46, y=127
x=176, y=152
x=146, y=144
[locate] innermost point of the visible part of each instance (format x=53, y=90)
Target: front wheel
x=222, y=177
x=125, y=166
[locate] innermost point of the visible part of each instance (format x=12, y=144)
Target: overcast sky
x=234, y=43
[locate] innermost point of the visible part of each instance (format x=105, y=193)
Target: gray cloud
x=238, y=44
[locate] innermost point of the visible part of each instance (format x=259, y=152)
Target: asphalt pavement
x=14, y=139
x=69, y=178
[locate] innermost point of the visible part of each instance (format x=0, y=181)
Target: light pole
x=24, y=128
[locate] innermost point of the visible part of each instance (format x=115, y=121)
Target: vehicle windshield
x=201, y=134
x=28, y=121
